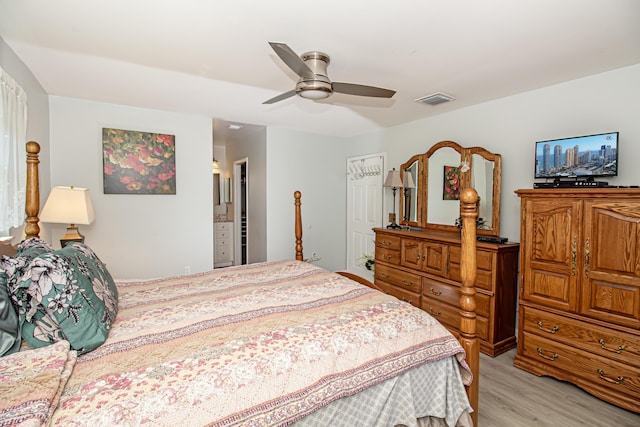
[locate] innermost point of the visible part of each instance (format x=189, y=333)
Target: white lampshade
x=393, y=179
x=408, y=180
x=68, y=205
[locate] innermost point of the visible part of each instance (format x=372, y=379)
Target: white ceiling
x=212, y=58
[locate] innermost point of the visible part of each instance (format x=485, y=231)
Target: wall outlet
x=314, y=257
x=187, y=269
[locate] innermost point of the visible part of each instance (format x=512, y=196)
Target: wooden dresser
x=579, y=312
x=423, y=268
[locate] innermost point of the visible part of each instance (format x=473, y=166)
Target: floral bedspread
x=31, y=383
x=256, y=345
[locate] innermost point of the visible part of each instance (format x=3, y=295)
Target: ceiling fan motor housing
x=318, y=87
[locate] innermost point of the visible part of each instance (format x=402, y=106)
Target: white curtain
x=13, y=130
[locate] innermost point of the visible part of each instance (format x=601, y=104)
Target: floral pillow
x=69, y=295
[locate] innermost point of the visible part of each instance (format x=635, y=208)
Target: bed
x=268, y=344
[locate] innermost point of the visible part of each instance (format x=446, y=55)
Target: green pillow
x=67, y=294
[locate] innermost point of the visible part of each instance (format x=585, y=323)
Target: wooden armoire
x=579, y=302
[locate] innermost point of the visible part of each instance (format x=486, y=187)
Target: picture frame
x=136, y=162
x=451, y=183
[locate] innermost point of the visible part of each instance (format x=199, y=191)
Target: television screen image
x=580, y=156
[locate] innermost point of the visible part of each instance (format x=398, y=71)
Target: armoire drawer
x=402, y=294
x=450, y=294
x=450, y=316
x=403, y=279
x=597, y=370
x=609, y=343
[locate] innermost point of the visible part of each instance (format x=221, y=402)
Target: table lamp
x=68, y=205
x=394, y=182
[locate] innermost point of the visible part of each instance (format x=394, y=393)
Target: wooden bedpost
x=468, y=338
x=299, y=256
x=32, y=202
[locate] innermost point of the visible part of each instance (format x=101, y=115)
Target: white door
x=365, y=178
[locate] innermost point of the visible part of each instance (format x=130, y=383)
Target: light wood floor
x=511, y=397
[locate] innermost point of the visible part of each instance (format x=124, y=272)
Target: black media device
x=576, y=161
x=491, y=239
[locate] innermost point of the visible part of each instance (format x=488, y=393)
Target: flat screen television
x=578, y=157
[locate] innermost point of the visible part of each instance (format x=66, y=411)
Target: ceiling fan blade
x=292, y=60
x=280, y=97
x=362, y=90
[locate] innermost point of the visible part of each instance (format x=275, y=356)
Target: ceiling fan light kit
x=314, y=83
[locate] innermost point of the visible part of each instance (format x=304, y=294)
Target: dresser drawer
x=484, y=263
x=387, y=255
x=223, y=226
x=599, y=371
x=450, y=316
x=223, y=234
x=609, y=343
x=484, y=278
x=450, y=294
x=222, y=241
x=484, y=259
x=223, y=254
x=402, y=294
x=388, y=242
x=403, y=279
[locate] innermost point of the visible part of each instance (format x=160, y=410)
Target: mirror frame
x=497, y=184
x=466, y=155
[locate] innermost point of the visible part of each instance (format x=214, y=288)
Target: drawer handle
x=554, y=356
x=434, y=313
x=609, y=380
x=404, y=282
x=604, y=347
x=551, y=331
x=587, y=258
x=384, y=275
x=436, y=293
x=573, y=255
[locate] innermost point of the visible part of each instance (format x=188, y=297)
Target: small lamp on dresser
x=394, y=182
x=69, y=205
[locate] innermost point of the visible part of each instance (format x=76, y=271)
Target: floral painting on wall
x=451, y=187
x=138, y=162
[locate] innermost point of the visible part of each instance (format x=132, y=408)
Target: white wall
x=137, y=236
x=315, y=165
x=510, y=126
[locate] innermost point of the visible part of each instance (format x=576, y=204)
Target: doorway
x=240, y=209
x=365, y=179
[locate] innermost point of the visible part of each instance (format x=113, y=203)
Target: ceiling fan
x=314, y=82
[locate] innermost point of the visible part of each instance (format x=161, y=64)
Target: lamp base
x=73, y=235
x=392, y=219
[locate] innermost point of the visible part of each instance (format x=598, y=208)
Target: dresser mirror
x=412, y=180
x=439, y=175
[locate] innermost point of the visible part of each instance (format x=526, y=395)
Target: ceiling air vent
x=435, y=98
